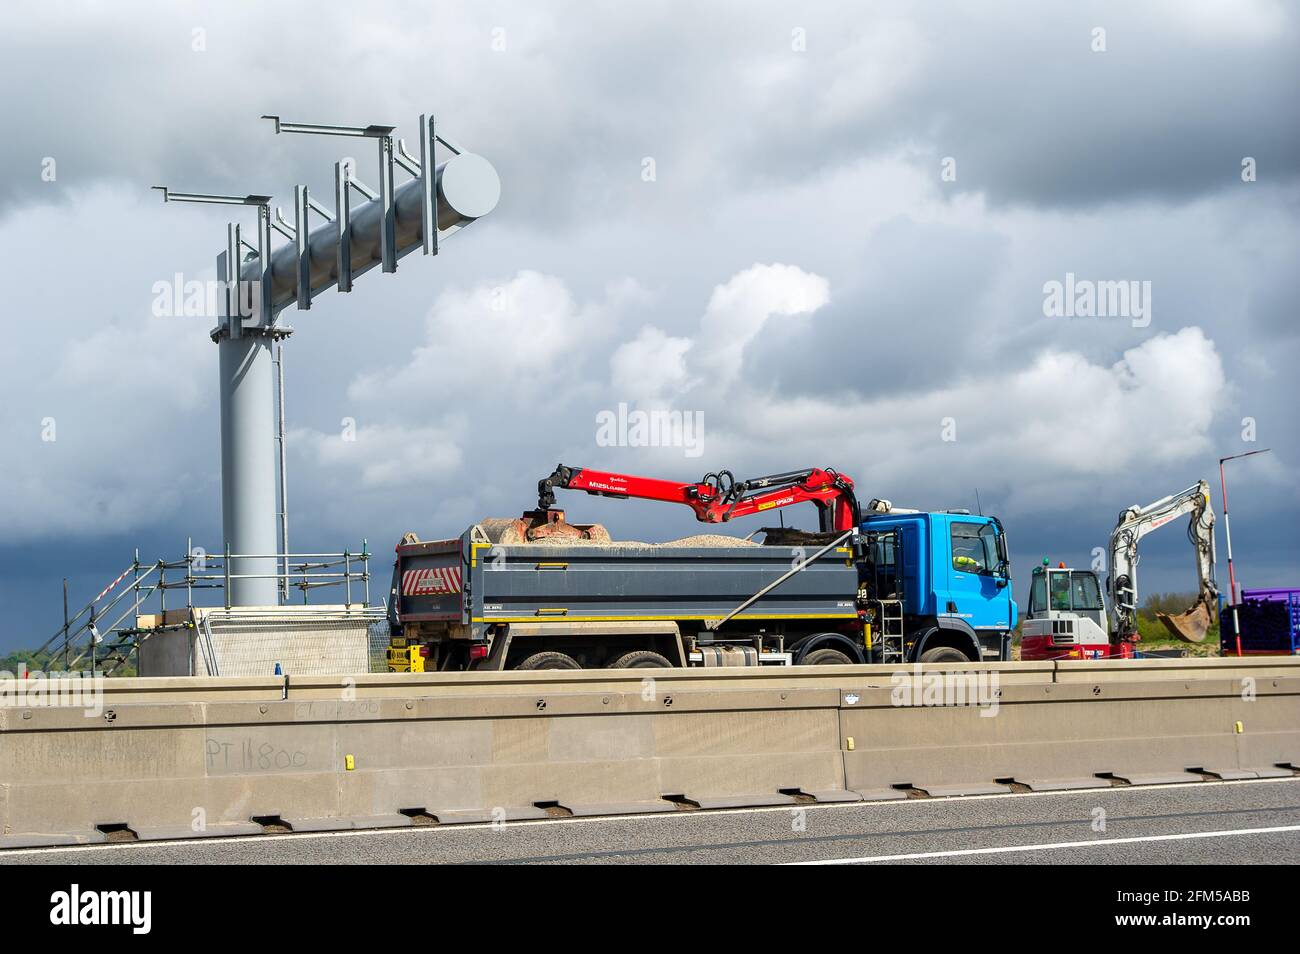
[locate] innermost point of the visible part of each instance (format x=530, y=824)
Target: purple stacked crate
x=1270, y=622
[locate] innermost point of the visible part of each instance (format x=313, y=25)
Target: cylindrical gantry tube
x=467, y=188
x=248, y=482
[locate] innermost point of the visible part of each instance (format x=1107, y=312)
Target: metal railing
x=301, y=571
x=103, y=633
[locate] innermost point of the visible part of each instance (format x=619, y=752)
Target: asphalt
x=1250, y=822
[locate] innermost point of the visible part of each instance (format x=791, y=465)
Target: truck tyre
x=641, y=659
x=549, y=661
x=826, y=657
x=942, y=654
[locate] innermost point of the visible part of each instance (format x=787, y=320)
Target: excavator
x=1067, y=616
x=716, y=498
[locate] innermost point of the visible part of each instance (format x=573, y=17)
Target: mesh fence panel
x=379, y=635
x=316, y=643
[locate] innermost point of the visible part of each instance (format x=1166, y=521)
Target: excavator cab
x=1066, y=617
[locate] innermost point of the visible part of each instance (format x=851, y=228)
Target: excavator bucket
x=1190, y=626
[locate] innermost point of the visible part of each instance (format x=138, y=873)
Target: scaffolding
x=103, y=634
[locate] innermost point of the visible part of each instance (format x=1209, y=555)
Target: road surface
x=1249, y=822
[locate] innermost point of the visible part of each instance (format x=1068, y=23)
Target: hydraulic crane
x=719, y=497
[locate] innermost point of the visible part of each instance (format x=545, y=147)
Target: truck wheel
x=826, y=657
x=944, y=654
x=641, y=659
x=549, y=661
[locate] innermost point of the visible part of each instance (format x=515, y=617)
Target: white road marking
x=1011, y=849
x=907, y=804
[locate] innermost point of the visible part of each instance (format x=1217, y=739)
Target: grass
x=1154, y=636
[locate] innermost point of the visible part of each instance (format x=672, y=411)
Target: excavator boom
x=1135, y=523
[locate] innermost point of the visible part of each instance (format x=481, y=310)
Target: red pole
x=1232, y=579
x=1227, y=531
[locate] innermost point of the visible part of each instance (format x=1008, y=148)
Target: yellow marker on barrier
x=849, y=741
x=1240, y=728
x=349, y=763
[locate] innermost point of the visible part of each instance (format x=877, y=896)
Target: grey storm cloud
x=797, y=269
x=1014, y=92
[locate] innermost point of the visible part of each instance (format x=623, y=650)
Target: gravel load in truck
x=572, y=597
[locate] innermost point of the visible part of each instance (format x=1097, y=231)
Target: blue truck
x=536, y=592
x=954, y=581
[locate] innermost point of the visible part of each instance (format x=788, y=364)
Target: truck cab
x=1066, y=617
x=956, y=584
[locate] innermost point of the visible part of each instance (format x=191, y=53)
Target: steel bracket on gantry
x=237, y=304
x=392, y=154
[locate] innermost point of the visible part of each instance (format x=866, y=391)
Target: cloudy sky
x=828, y=231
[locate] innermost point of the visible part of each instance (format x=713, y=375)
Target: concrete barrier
x=206, y=756
x=1071, y=735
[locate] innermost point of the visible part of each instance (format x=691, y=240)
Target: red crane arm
x=717, y=498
